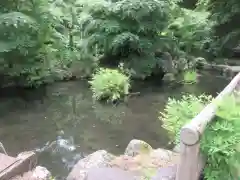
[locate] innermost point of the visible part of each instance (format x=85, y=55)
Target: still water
x=66, y=112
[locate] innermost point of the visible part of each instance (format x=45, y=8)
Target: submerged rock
x=136, y=147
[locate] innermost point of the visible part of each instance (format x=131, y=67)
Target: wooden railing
x=191, y=161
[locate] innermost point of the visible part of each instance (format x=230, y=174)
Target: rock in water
x=136, y=147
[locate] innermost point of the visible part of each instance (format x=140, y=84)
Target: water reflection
x=68, y=116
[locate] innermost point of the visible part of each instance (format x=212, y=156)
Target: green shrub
x=123, y=33
x=190, y=77
x=179, y=112
x=220, y=140
x=109, y=84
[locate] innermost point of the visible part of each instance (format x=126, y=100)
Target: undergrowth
x=220, y=142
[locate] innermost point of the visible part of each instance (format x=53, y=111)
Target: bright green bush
x=179, y=112
x=220, y=142
x=190, y=77
x=225, y=15
x=109, y=84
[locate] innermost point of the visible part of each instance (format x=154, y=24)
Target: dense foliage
x=25, y=28
x=225, y=15
x=43, y=40
x=126, y=31
x=37, y=42
x=220, y=142
x=108, y=84
x=179, y=112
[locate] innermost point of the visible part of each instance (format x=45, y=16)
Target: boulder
x=139, y=161
x=98, y=159
x=39, y=173
x=109, y=174
x=136, y=147
x=166, y=173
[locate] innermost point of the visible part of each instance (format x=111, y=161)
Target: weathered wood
x=22, y=163
x=6, y=161
x=191, y=162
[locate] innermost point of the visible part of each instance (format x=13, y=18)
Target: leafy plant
x=226, y=29
x=109, y=84
x=122, y=32
x=220, y=141
x=24, y=33
x=40, y=41
x=179, y=112
x=188, y=33
x=190, y=77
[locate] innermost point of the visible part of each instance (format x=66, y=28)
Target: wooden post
x=188, y=168
x=191, y=162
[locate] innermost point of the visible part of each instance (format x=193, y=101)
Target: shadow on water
x=66, y=113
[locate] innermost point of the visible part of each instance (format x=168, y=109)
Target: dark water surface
x=30, y=119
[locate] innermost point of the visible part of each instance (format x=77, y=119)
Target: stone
x=109, y=174
x=136, y=147
x=164, y=158
x=98, y=159
x=41, y=173
x=139, y=161
x=166, y=173
x=147, y=164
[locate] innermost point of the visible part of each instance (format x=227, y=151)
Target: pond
x=30, y=119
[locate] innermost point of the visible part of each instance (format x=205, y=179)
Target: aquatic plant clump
x=109, y=84
x=190, y=77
